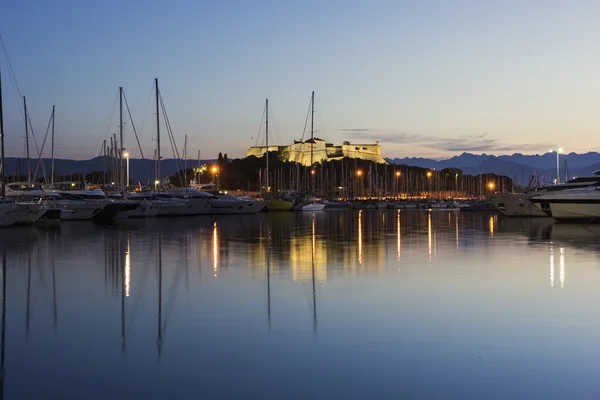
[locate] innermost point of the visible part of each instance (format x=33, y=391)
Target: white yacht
x=572, y=204
x=95, y=197
x=313, y=207
x=154, y=204
x=29, y=206
x=227, y=204
x=71, y=208
x=10, y=214
x=200, y=203
x=520, y=204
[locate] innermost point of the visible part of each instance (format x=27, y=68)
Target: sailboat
x=278, y=204
x=152, y=203
x=58, y=206
x=11, y=212
x=312, y=205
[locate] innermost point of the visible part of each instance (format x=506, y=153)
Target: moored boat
x=570, y=205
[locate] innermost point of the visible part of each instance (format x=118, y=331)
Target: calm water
x=326, y=305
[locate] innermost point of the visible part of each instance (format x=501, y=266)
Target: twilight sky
x=425, y=78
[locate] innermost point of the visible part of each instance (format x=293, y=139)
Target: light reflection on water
x=381, y=304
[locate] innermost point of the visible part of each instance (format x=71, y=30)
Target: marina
x=285, y=200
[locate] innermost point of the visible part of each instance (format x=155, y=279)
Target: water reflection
x=562, y=268
x=429, y=234
x=3, y=323
x=360, y=233
x=215, y=249
x=551, y=266
x=398, y=236
x=113, y=304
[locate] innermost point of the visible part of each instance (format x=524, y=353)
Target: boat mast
x=312, y=126
x=27, y=141
x=185, y=162
x=2, y=163
x=157, y=134
x=121, y=176
x=196, y=177
x=267, y=140
x=52, y=151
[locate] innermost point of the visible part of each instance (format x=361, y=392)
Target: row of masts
x=115, y=152
x=346, y=179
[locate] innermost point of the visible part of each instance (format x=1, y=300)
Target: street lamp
x=397, y=186
x=126, y=154
x=558, y=151
x=358, y=175
x=215, y=171
x=429, y=174
x=491, y=185
x=156, y=182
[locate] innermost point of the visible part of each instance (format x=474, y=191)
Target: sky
x=424, y=78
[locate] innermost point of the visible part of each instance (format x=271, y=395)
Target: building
x=300, y=152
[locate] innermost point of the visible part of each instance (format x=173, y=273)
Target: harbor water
x=374, y=304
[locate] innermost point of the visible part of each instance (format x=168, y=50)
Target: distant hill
x=139, y=170
x=517, y=166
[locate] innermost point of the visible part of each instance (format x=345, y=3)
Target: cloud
x=386, y=136
x=473, y=142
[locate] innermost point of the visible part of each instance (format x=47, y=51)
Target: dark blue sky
x=428, y=78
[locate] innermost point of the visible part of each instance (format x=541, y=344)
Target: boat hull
x=225, y=206
x=571, y=211
x=279, y=205
x=80, y=211
x=515, y=205
x=313, y=207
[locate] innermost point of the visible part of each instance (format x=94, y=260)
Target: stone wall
x=321, y=151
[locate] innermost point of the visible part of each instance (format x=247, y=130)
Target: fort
x=322, y=151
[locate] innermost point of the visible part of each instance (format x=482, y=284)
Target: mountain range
x=517, y=166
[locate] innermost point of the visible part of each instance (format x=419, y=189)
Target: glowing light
x=312, y=172
x=214, y=169
x=429, y=173
x=126, y=155
x=491, y=185
x=397, y=173
x=491, y=224
x=359, y=172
